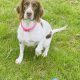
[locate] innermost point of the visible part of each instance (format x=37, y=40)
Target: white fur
x=36, y=37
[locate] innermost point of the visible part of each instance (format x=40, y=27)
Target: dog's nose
x=29, y=14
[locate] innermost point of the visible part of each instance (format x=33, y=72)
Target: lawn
x=63, y=60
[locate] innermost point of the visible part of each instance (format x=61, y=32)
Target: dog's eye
x=34, y=5
x=26, y=4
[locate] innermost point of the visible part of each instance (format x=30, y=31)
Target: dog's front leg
x=20, y=58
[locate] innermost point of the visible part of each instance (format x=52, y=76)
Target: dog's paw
x=18, y=61
x=37, y=52
x=44, y=55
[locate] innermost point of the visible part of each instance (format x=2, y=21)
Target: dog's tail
x=58, y=30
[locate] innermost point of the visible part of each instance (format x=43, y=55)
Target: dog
x=40, y=34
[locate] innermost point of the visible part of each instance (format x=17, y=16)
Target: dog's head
x=30, y=9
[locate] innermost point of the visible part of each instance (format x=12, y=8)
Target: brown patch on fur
x=49, y=35
x=41, y=24
x=36, y=7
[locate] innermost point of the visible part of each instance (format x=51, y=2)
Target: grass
x=63, y=60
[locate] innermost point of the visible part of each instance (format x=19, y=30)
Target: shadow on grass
x=29, y=55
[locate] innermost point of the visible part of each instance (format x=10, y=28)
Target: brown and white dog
x=40, y=35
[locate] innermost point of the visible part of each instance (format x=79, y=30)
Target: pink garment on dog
x=28, y=25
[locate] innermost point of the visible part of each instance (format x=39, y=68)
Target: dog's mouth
x=29, y=17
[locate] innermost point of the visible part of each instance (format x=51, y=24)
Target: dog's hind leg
x=39, y=48
x=45, y=52
x=46, y=46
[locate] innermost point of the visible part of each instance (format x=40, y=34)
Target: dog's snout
x=29, y=14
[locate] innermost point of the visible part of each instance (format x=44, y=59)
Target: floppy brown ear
x=39, y=12
x=20, y=10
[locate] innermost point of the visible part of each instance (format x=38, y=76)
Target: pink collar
x=27, y=29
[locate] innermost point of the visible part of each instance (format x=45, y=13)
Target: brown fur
x=49, y=35
x=36, y=7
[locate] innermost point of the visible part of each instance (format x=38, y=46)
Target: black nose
x=29, y=14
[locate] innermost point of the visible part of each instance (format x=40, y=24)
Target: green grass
x=63, y=60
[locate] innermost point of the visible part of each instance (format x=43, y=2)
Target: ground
x=63, y=60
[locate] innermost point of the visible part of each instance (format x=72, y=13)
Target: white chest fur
x=35, y=36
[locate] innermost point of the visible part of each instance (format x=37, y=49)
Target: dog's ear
x=39, y=12
x=20, y=10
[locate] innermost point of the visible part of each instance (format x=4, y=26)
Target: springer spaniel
x=38, y=33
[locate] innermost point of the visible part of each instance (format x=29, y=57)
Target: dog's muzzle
x=29, y=14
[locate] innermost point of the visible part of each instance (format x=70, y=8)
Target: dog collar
x=23, y=25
